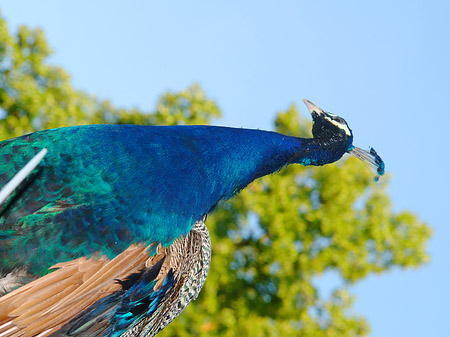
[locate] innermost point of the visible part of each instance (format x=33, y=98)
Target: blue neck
x=267, y=152
x=226, y=160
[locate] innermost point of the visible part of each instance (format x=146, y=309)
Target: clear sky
x=382, y=65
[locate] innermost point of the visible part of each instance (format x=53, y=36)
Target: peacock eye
x=339, y=120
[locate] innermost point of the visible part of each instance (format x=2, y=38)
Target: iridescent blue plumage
x=108, y=189
x=125, y=184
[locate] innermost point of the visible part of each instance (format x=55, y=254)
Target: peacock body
x=117, y=212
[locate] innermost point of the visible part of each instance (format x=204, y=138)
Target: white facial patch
x=329, y=116
x=342, y=126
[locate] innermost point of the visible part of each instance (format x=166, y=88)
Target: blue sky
x=382, y=65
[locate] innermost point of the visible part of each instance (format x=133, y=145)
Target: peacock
x=107, y=235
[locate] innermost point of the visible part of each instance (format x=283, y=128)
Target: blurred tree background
x=273, y=241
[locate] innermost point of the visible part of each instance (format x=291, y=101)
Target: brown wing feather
x=46, y=304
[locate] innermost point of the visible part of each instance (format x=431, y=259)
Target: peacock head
x=328, y=126
x=331, y=128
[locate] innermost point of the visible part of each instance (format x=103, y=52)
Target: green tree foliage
x=273, y=241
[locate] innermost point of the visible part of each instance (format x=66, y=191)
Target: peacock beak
x=313, y=108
